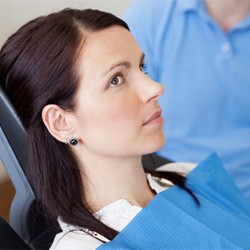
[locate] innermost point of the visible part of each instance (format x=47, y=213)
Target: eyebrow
x=124, y=64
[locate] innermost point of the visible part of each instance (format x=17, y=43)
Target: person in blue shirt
x=199, y=51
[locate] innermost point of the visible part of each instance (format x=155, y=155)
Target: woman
x=77, y=81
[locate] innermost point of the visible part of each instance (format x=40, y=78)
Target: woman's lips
x=154, y=119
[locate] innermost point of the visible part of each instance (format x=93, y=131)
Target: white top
x=116, y=215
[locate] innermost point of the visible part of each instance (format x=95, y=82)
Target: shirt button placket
x=225, y=47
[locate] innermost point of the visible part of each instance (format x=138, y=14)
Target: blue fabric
x=206, y=76
x=172, y=220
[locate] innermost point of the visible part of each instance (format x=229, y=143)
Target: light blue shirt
x=206, y=75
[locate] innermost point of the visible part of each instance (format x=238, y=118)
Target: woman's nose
x=151, y=90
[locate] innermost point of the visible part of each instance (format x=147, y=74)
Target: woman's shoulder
x=74, y=238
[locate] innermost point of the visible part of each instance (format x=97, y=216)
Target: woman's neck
x=227, y=13
x=107, y=180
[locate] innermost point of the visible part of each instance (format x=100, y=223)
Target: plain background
x=15, y=13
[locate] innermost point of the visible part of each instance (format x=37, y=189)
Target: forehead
x=106, y=47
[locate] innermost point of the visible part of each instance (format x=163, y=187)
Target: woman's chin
x=155, y=145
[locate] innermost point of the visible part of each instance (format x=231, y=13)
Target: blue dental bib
x=172, y=220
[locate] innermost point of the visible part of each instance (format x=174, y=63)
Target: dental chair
x=26, y=216
x=9, y=239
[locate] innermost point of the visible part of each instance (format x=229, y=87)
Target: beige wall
x=2, y=173
x=14, y=13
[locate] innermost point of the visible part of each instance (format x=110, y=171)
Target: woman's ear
x=57, y=121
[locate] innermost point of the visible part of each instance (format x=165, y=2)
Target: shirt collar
x=243, y=24
x=157, y=184
x=189, y=5
x=198, y=6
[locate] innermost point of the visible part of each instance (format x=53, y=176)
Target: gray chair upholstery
x=9, y=239
x=26, y=217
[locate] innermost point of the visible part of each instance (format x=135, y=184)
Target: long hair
x=38, y=65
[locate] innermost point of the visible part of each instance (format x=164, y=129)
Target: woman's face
x=117, y=111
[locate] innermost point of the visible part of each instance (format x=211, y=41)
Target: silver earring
x=73, y=141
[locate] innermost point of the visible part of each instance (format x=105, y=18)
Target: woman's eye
x=117, y=80
x=143, y=68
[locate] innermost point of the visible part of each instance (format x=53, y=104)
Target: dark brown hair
x=38, y=65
